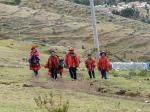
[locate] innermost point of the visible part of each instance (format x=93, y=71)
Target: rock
x=27, y=85
x=121, y=92
x=146, y=101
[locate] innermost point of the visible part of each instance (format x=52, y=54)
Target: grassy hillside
x=123, y=92
x=59, y=23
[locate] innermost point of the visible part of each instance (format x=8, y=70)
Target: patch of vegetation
x=52, y=105
x=142, y=73
x=128, y=12
x=12, y=2
x=86, y=2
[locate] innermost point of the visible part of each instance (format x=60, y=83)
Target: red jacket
x=53, y=62
x=103, y=64
x=71, y=61
x=37, y=66
x=90, y=64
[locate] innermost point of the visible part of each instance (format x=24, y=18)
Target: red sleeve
x=86, y=63
x=65, y=61
x=108, y=64
x=94, y=62
x=98, y=64
x=47, y=63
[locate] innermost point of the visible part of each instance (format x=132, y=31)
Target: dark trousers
x=73, y=72
x=53, y=73
x=104, y=74
x=36, y=73
x=91, y=74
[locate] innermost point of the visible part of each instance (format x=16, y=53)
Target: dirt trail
x=85, y=87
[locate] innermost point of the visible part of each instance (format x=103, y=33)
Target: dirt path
x=85, y=87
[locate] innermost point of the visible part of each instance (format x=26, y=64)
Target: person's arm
x=47, y=64
x=108, y=64
x=94, y=63
x=65, y=62
x=98, y=65
x=86, y=64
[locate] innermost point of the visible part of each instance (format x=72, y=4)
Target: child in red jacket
x=72, y=62
x=34, y=60
x=90, y=65
x=53, y=65
x=103, y=65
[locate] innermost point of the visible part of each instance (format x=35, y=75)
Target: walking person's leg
x=55, y=74
x=35, y=73
x=74, y=73
x=90, y=74
x=71, y=72
x=102, y=74
x=52, y=73
x=105, y=74
x=93, y=73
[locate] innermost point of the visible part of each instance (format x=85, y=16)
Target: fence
x=130, y=66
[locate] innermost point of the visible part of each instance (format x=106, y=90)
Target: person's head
x=52, y=52
x=103, y=54
x=89, y=56
x=71, y=50
x=34, y=47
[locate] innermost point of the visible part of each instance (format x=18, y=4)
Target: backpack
x=61, y=62
x=34, y=60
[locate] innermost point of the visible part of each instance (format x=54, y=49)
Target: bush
x=142, y=73
x=50, y=105
x=86, y=2
x=128, y=12
x=115, y=12
x=13, y=2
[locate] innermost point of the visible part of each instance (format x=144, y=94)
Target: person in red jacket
x=72, y=62
x=103, y=64
x=90, y=65
x=34, y=60
x=53, y=64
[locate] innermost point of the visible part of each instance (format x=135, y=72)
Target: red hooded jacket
x=37, y=66
x=53, y=62
x=103, y=64
x=90, y=64
x=71, y=61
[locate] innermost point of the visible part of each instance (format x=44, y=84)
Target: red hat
x=33, y=47
x=70, y=49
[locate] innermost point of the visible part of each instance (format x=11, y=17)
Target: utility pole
x=95, y=35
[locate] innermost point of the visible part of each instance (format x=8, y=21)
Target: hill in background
x=63, y=23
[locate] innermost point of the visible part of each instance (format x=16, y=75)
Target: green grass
x=16, y=98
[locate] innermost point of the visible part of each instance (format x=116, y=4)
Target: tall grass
x=50, y=104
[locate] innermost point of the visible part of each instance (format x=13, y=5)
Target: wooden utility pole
x=95, y=34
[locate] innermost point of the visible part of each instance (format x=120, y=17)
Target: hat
x=70, y=49
x=89, y=54
x=103, y=52
x=33, y=46
x=51, y=50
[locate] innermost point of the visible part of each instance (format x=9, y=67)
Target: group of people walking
x=71, y=61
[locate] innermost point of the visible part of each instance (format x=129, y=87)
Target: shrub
x=132, y=73
x=50, y=105
x=128, y=12
x=143, y=73
x=13, y=2
x=140, y=73
x=115, y=12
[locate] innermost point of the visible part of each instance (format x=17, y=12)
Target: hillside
x=57, y=24
x=63, y=23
